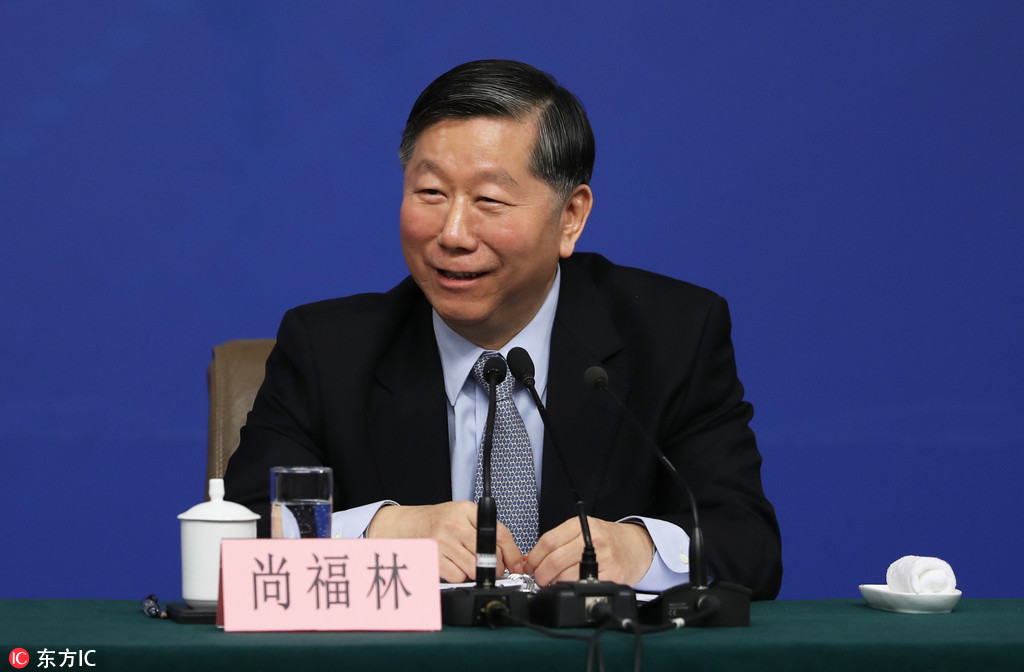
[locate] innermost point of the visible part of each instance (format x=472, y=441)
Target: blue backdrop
x=850, y=175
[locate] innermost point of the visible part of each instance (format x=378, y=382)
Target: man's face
x=480, y=234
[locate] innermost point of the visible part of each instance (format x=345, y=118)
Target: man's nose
x=457, y=228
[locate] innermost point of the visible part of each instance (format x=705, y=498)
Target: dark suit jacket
x=356, y=384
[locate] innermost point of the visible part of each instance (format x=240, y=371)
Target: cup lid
x=218, y=510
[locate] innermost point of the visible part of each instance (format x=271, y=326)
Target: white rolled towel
x=917, y=574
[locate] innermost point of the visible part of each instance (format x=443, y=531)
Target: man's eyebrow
x=496, y=175
x=425, y=166
x=499, y=176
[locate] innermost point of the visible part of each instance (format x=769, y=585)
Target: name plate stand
x=277, y=585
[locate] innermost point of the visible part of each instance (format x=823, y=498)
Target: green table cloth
x=783, y=635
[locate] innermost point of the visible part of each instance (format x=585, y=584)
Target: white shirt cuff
x=671, y=563
x=352, y=523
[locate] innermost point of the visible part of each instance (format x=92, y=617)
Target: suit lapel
x=408, y=414
x=583, y=336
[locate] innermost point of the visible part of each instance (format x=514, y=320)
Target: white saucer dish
x=879, y=596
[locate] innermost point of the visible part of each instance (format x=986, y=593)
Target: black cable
x=674, y=624
x=638, y=643
x=602, y=610
x=594, y=650
x=497, y=613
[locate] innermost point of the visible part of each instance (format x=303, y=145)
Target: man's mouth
x=464, y=275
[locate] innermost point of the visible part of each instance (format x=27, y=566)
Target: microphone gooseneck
x=589, y=601
x=494, y=373
x=521, y=365
x=487, y=508
x=597, y=377
x=695, y=603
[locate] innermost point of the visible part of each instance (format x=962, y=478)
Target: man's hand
x=453, y=524
x=624, y=552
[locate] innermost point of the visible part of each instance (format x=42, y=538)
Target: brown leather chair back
x=233, y=378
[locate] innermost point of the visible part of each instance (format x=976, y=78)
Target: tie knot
x=505, y=386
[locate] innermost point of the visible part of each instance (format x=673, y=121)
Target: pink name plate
x=329, y=584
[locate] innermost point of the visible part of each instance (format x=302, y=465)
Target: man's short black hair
x=563, y=155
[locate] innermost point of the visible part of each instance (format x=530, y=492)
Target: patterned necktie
x=513, y=481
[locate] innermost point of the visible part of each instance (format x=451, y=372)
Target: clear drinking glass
x=301, y=502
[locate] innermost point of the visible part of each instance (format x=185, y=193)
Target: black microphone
x=696, y=603
x=521, y=365
x=485, y=603
x=487, y=508
x=568, y=604
x=597, y=377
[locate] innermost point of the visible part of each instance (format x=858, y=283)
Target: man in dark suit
x=497, y=159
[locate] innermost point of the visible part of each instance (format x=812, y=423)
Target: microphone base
x=571, y=604
x=469, y=606
x=720, y=605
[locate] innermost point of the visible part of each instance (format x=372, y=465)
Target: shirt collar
x=458, y=355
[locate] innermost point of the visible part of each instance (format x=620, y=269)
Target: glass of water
x=301, y=502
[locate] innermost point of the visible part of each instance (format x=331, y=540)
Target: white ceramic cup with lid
x=202, y=529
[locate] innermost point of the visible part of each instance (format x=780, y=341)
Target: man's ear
x=574, y=218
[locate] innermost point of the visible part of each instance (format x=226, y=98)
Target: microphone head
x=520, y=363
x=595, y=376
x=495, y=370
